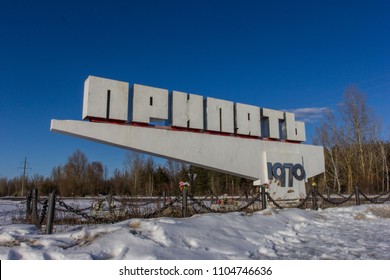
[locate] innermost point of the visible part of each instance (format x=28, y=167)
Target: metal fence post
x=314, y=199
x=357, y=192
x=35, y=206
x=263, y=198
x=184, y=206
x=50, y=217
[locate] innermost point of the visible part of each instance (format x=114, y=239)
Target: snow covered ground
x=357, y=232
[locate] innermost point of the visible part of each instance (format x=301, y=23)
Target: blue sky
x=284, y=55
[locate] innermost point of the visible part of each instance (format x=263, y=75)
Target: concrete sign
x=243, y=140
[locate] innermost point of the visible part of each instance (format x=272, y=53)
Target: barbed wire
x=201, y=204
x=159, y=211
x=89, y=218
x=273, y=201
x=250, y=203
x=78, y=212
x=43, y=211
x=209, y=209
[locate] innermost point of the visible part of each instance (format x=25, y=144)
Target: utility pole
x=24, y=174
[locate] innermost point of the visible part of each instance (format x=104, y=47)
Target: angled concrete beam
x=243, y=157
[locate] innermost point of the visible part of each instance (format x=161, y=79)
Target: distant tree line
x=355, y=153
x=140, y=177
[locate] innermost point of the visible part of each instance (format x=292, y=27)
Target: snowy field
x=357, y=232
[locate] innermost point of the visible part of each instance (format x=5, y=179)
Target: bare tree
x=149, y=174
x=94, y=177
x=384, y=152
x=361, y=130
x=351, y=143
x=134, y=164
x=75, y=170
x=173, y=170
x=328, y=136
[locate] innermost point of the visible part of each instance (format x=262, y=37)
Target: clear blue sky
x=268, y=53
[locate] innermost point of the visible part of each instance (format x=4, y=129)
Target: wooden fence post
x=28, y=206
x=35, y=206
x=50, y=217
x=314, y=199
x=110, y=208
x=263, y=198
x=184, y=205
x=357, y=192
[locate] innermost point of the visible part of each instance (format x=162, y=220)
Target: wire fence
x=46, y=211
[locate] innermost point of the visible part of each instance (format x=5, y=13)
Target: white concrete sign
x=244, y=140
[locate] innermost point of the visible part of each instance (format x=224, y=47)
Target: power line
x=374, y=78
